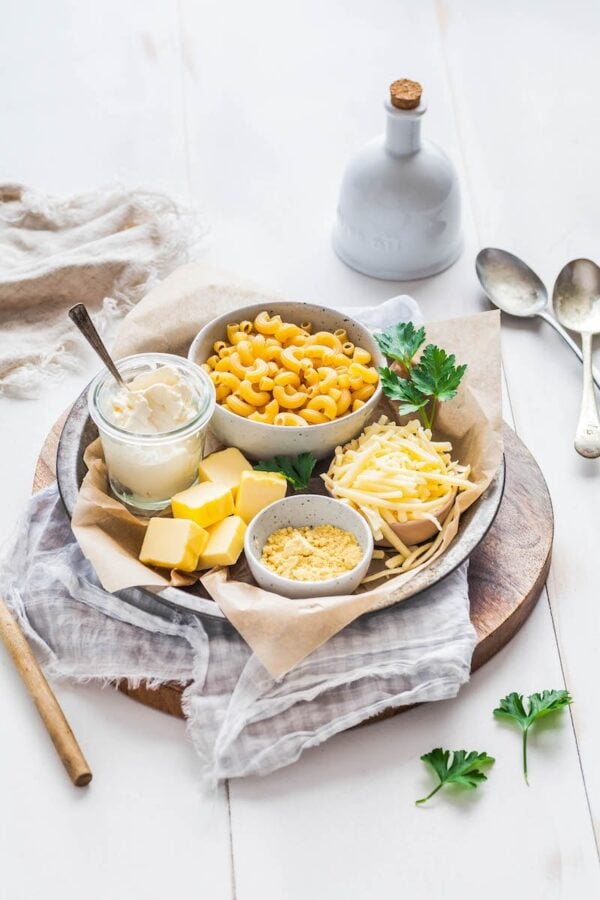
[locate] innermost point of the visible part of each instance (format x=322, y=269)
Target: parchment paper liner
x=282, y=631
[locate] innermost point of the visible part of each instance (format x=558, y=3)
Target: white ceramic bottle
x=398, y=214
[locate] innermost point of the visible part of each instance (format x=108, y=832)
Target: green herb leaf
x=540, y=705
x=401, y=342
x=402, y=389
x=436, y=374
x=464, y=769
x=433, y=380
x=297, y=469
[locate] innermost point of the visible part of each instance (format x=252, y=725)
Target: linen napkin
x=106, y=248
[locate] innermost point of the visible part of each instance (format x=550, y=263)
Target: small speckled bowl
x=297, y=512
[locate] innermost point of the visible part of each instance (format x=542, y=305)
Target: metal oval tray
x=79, y=431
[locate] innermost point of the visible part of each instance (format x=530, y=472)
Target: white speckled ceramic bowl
x=258, y=440
x=299, y=511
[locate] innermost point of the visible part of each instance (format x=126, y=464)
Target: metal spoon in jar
x=576, y=302
x=81, y=317
x=516, y=289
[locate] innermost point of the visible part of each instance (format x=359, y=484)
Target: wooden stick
x=41, y=693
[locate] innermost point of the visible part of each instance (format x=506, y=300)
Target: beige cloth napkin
x=105, y=248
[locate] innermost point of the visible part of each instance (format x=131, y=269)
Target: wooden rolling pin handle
x=41, y=693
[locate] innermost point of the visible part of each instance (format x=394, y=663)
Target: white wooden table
x=249, y=110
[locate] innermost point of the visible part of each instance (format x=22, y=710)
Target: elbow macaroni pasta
x=279, y=373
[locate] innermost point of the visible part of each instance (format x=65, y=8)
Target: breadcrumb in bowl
x=302, y=511
x=311, y=553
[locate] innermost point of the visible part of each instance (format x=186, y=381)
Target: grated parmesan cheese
x=395, y=474
x=311, y=553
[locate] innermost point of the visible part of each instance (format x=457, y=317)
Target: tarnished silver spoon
x=516, y=289
x=81, y=317
x=576, y=302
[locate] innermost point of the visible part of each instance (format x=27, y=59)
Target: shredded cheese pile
x=311, y=553
x=396, y=473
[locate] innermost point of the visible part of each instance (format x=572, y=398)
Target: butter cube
x=204, y=504
x=225, y=543
x=225, y=467
x=173, y=544
x=258, y=490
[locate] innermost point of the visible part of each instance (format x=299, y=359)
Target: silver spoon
x=81, y=317
x=576, y=302
x=515, y=289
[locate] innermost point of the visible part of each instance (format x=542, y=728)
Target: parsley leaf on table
x=540, y=705
x=401, y=342
x=297, y=469
x=465, y=768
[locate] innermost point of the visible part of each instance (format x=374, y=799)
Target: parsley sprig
x=539, y=705
x=401, y=342
x=464, y=768
x=421, y=386
x=297, y=469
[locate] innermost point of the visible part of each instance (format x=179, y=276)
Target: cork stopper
x=405, y=94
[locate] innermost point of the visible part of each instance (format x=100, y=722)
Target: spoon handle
x=81, y=317
x=549, y=318
x=587, y=436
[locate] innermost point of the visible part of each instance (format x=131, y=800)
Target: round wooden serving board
x=507, y=571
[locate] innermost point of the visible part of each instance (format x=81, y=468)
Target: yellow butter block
x=173, y=544
x=258, y=490
x=204, y=503
x=225, y=543
x=225, y=467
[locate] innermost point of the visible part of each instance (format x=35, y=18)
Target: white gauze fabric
x=241, y=721
x=106, y=248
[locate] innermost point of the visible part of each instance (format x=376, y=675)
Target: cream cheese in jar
x=153, y=430
x=152, y=403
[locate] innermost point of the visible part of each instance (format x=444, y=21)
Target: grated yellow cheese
x=394, y=474
x=311, y=553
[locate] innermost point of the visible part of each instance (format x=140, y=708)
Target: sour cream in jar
x=153, y=430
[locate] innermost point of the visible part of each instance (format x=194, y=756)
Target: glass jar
x=146, y=469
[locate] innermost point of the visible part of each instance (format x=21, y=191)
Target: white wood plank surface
x=342, y=821
x=251, y=110
x=532, y=145
x=90, y=93
x=295, y=122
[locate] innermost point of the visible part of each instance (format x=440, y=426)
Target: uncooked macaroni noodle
x=281, y=374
